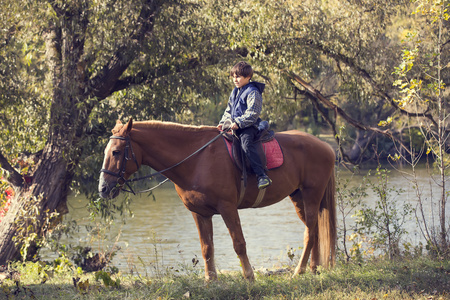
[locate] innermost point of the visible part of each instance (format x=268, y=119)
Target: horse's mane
x=166, y=125
x=171, y=125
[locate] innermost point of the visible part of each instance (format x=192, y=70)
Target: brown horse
x=209, y=183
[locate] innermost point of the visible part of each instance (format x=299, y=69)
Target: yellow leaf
x=83, y=286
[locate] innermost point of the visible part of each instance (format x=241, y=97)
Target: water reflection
x=164, y=232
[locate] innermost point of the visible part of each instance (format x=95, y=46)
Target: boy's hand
x=233, y=126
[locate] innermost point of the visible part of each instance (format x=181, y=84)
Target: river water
x=162, y=233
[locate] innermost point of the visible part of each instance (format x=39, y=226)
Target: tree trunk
x=442, y=137
x=29, y=219
x=32, y=206
x=8, y=251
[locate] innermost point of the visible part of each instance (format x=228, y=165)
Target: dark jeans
x=247, y=137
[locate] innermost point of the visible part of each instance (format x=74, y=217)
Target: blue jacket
x=245, y=105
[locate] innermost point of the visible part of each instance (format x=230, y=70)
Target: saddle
x=268, y=149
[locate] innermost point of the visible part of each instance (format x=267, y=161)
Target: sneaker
x=263, y=182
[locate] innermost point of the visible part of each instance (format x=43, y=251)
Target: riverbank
x=420, y=278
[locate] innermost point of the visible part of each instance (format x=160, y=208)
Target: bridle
x=121, y=180
x=123, y=164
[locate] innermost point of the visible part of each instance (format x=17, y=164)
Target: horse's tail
x=327, y=225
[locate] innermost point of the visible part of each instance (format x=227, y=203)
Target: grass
x=421, y=278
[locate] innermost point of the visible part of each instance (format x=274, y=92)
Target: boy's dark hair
x=242, y=69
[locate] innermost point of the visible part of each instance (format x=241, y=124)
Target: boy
x=244, y=108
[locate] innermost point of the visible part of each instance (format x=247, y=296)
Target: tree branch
x=104, y=84
x=443, y=45
x=14, y=177
x=338, y=111
x=328, y=120
x=166, y=69
x=366, y=76
x=160, y=71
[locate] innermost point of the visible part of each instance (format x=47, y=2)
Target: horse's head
x=120, y=161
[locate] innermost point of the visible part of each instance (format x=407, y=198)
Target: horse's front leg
x=231, y=217
x=205, y=232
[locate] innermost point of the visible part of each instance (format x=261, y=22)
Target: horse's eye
x=116, y=153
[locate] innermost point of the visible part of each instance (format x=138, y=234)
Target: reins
x=125, y=159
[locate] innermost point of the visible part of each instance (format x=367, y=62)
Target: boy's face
x=240, y=81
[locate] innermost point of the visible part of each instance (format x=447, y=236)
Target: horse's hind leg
x=307, y=205
x=233, y=223
x=205, y=232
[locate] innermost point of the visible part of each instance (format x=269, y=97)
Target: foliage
x=349, y=199
x=383, y=224
x=422, y=79
x=374, y=228
x=6, y=195
x=29, y=224
x=23, y=101
x=42, y=272
x=371, y=229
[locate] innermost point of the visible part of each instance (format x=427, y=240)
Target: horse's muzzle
x=108, y=190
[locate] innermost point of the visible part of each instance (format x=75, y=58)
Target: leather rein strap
x=121, y=180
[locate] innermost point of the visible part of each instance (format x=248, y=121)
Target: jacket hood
x=260, y=86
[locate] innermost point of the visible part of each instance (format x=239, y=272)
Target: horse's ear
x=129, y=125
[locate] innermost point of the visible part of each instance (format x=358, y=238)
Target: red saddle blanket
x=272, y=150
